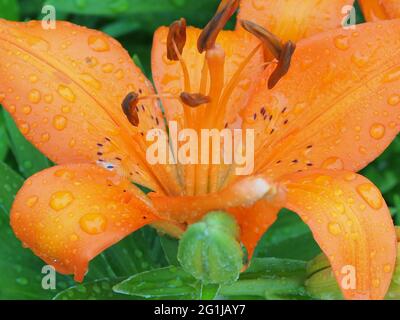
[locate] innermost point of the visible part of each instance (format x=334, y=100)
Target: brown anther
x=194, y=99
x=176, y=39
x=210, y=33
x=283, y=64
x=129, y=105
x=270, y=41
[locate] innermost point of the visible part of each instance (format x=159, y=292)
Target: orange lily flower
x=327, y=116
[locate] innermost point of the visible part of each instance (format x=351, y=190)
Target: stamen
x=194, y=99
x=176, y=39
x=272, y=42
x=283, y=64
x=282, y=52
x=129, y=105
x=210, y=33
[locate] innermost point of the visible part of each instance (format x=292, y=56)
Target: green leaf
x=170, y=248
x=95, y=290
x=9, y=9
x=21, y=271
x=288, y=237
x=169, y=282
x=141, y=251
x=121, y=27
x=29, y=159
x=127, y=7
x=269, y=278
x=10, y=184
x=4, y=142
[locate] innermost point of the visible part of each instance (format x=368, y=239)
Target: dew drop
x=66, y=93
x=394, y=100
x=60, y=122
x=377, y=131
x=32, y=201
x=60, y=200
x=48, y=98
x=27, y=110
x=387, y=268
x=45, y=137
x=33, y=78
x=24, y=128
x=359, y=59
x=371, y=195
x=64, y=173
x=392, y=75
x=334, y=228
x=34, y=96
x=88, y=79
x=107, y=68
x=73, y=237
x=93, y=223
x=2, y=97
x=342, y=42
x=98, y=43
x=323, y=180
x=333, y=163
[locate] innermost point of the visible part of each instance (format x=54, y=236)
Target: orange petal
x=254, y=222
x=69, y=214
x=168, y=75
x=293, y=19
x=189, y=209
x=64, y=88
x=374, y=10
x=337, y=108
x=352, y=224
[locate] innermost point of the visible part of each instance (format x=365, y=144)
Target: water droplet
x=64, y=173
x=387, y=268
x=258, y=4
x=61, y=199
x=333, y=163
x=377, y=131
x=60, y=122
x=34, y=96
x=27, y=110
x=88, y=79
x=107, y=68
x=371, y=195
x=66, y=93
x=334, y=228
x=392, y=75
x=350, y=176
x=98, y=43
x=32, y=201
x=48, y=98
x=22, y=281
x=376, y=283
x=394, y=100
x=33, y=78
x=323, y=180
x=93, y=223
x=45, y=137
x=73, y=237
x=359, y=59
x=24, y=128
x=2, y=97
x=119, y=74
x=342, y=42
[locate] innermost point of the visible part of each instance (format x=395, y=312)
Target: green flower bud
x=210, y=250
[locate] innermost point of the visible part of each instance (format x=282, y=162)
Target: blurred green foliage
x=145, y=261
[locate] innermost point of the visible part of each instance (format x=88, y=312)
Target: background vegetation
x=149, y=259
